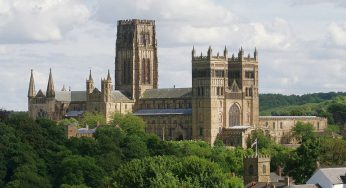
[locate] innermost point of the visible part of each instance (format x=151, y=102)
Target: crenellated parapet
x=233, y=59
x=258, y=157
x=136, y=21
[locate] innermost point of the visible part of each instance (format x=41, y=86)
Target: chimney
x=279, y=170
x=287, y=181
x=317, y=165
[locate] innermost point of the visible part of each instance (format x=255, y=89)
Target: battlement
x=232, y=59
x=259, y=157
x=136, y=21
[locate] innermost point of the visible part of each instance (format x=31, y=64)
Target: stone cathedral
x=223, y=102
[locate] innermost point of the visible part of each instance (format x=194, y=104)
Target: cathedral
x=223, y=102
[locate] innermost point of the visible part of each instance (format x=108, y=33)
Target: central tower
x=136, y=57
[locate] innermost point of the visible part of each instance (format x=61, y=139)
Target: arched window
x=264, y=169
x=234, y=115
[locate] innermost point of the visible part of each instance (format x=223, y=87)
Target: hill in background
x=331, y=105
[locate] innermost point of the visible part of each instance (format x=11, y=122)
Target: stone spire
x=50, y=87
x=90, y=77
x=31, y=91
x=109, y=76
x=63, y=88
x=210, y=51
x=193, y=51
x=225, y=52
x=241, y=53
x=255, y=54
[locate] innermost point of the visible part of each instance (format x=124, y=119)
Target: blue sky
x=301, y=43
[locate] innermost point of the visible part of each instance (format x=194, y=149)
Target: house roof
x=334, y=174
x=167, y=93
x=149, y=112
x=74, y=113
x=306, y=186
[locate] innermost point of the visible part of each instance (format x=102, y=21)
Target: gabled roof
x=70, y=96
x=74, y=113
x=119, y=96
x=167, y=93
x=40, y=94
x=333, y=174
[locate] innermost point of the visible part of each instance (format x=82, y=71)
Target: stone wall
x=280, y=127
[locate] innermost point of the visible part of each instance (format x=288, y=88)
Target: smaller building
x=73, y=131
x=280, y=127
x=235, y=136
x=329, y=178
x=257, y=174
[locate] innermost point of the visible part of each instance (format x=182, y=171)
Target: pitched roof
x=288, y=117
x=70, y=96
x=334, y=174
x=74, y=113
x=167, y=93
x=149, y=112
x=119, y=96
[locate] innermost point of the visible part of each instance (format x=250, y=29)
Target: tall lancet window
x=234, y=115
x=148, y=71
x=145, y=71
x=144, y=62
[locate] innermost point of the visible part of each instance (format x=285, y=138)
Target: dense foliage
x=268, y=101
x=38, y=154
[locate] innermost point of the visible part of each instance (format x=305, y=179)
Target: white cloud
x=337, y=34
x=39, y=20
x=337, y=3
x=72, y=35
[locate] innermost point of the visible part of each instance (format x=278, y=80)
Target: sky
x=301, y=43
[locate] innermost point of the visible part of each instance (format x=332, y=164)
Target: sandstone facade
x=223, y=101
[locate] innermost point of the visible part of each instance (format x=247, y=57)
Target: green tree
x=302, y=163
x=92, y=119
x=263, y=140
x=303, y=131
x=129, y=123
x=77, y=170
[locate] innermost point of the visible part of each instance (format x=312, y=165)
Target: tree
x=92, y=119
x=333, y=152
x=303, y=131
x=302, y=163
x=263, y=140
x=77, y=170
x=165, y=171
x=332, y=130
x=129, y=123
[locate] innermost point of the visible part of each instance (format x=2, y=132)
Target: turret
x=31, y=90
x=255, y=54
x=106, y=88
x=50, y=87
x=225, y=52
x=210, y=52
x=90, y=84
x=241, y=54
x=193, y=51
